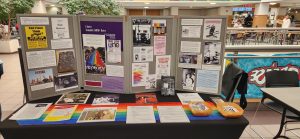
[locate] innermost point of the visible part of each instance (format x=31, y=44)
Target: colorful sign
x=36, y=37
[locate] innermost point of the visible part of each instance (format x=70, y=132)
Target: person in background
x=286, y=22
x=238, y=24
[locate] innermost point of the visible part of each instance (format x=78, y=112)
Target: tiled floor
x=11, y=96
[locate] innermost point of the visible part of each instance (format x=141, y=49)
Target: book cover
x=145, y=98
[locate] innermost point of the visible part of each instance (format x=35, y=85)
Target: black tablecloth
x=202, y=129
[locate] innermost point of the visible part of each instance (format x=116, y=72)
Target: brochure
x=31, y=111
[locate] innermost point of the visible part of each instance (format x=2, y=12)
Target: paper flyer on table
x=139, y=73
x=160, y=45
x=172, y=114
x=60, y=113
x=151, y=81
x=40, y=79
x=190, y=60
x=114, y=52
x=60, y=28
x=106, y=99
x=34, y=20
x=188, y=79
x=98, y=114
x=208, y=81
x=143, y=54
x=196, y=22
x=191, y=31
x=61, y=44
x=36, y=37
x=190, y=47
x=140, y=115
x=39, y=59
x=115, y=70
x=186, y=98
x=66, y=61
x=163, y=66
x=30, y=111
x=66, y=81
x=212, y=29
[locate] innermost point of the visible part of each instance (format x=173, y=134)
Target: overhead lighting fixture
x=146, y=7
x=273, y=3
x=213, y=3
x=52, y=5
x=147, y=3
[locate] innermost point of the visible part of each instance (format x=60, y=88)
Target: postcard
x=101, y=114
x=73, y=98
x=145, y=98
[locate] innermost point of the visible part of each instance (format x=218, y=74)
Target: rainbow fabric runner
x=121, y=113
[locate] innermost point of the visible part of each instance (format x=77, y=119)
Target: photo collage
x=199, y=56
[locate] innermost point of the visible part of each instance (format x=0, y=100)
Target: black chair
x=1, y=69
x=281, y=79
x=0, y=113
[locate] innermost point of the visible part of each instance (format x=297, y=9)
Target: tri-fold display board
x=120, y=54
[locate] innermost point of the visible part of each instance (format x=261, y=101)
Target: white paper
x=172, y=114
x=93, y=40
x=185, y=98
x=34, y=20
x=208, y=81
x=143, y=54
x=115, y=70
x=160, y=45
x=151, y=81
x=39, y=59
x=190, y=46
x=139, y=73
x=114, y=52
x=212, y=29
x=60, y=28
x=163, y=66
x=61, y=44
x=191, y=22
x=31, y=111
x=191, y=32
x=140, y=114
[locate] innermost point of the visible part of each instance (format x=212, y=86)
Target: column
x=174, y=11
x=39, y=7
x=123, y=11
x=261, y=15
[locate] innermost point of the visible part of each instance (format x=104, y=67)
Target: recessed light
x=146, y=7
x=147, y=3
x=52, y=5
x=213, y=3
x=273, y=3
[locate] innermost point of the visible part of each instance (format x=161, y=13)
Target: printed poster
x=163, y=66
x=190, y=47
x=36, y=37
x=94, y=37
x=114, y=84
x=188, y=79
x=212, y=29
x=159, y=27
x=141, y=29
x=160, y=45
x=115, y=70
x=60, y=28
x=151, y=81
x=208, y=81
x=139, y=73
x=61, y=44
x=191, y=31
x=66, y=61
x=66, y=81
x=114, y=52
x=39, y=59
x=142, y=54
x=40, y=79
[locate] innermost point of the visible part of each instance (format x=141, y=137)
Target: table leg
x=281, y=124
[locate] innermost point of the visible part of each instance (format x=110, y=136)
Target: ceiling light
x=213, y=3
x=52, y=5
x=146, y=7
x=147, y=3
x=273, y=3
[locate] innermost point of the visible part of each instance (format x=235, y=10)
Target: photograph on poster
x=73, y=98
x=139, y=73
x=212, y=52
x=39, y=59
x=101, y=114
x=208, y=81
x=160, y=45
x=163, y=66
x=159, y=27
x=190, y=47
x=40, y=79
x=36, y=37
x=60, y=28
x=94, y=60
x=114, y=51
x=142, y=54
x=212, y=29
x=141, y=31
x=151, y=81
x=65, y=61
x=168, y=85
x=191, y=31
x=66, y=81
x=188, y=78
x=189, y=60
x=106, y=99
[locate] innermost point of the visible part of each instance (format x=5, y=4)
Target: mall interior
x=242, y=57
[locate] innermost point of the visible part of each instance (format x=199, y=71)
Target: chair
x=0, y=113
x=281, y=79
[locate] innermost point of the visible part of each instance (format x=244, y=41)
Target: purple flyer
x=114, y=84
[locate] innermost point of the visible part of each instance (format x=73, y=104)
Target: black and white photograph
x=141, y=31
x=212, y=29
x=66, y=81
x=211, y=53
x=188, y=78
x=73, y=98
x=189, y=60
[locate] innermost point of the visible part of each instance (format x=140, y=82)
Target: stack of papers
x=31, y=111
x=140, y=115
x=186, y=98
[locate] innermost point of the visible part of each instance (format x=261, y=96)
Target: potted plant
x=92, y=7
x=8, y=11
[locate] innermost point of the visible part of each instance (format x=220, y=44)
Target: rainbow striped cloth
x=121, y=113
